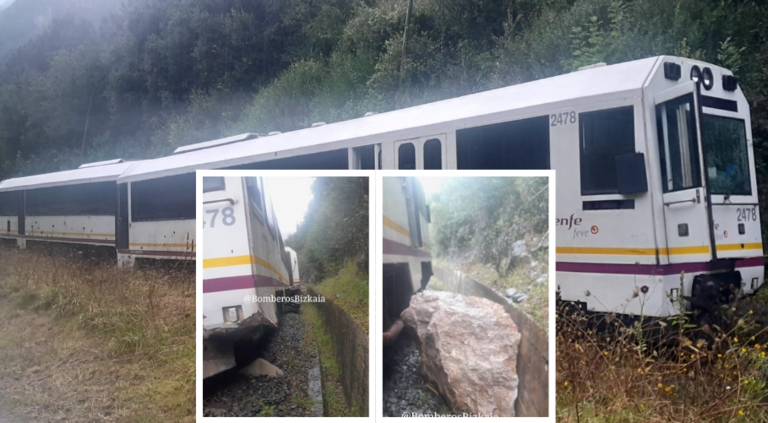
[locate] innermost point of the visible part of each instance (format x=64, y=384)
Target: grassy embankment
x=537, y=303
x=348, y=290
x=624, y=375
x=82, y=341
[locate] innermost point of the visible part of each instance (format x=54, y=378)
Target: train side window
x=406, y=156
x=325, y=160
x=520, y=144
x=167, y=198
x=213, y=183
x=678, y=144
x=433, y=154
x=366, y=156
x=604, y=135
x=9, y=203
x=90, y=199
x=254, y=197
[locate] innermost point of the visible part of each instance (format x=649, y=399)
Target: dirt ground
x=84, y=342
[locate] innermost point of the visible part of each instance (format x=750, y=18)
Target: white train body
x=294, y=267
x=244, y=265
x=96, y=230
x=76, y=206
x=627, y=229
x=407, y=259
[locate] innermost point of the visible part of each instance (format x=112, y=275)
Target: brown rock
x=262, y=367
x=468, y=349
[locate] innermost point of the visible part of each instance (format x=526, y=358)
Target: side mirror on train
x=630, y=174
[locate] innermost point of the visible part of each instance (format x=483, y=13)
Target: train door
x=421, y=153
x=686, y=203
x=367, y=157
x=121, y=219
x=22, y=206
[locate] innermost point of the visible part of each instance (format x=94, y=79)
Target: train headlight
x=707, y=79
x=695, y=74
x=674, y=294
x=232, y=314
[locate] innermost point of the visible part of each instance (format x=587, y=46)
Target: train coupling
x=711, y=291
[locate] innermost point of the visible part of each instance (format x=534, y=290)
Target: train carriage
x=294, y=267
x=74, y=206
x=245, y=267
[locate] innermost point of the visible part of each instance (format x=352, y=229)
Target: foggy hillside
x=20, y=20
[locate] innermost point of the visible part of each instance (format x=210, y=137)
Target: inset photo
x=285, y=304
x=466, y=296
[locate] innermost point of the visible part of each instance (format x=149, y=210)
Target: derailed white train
x=247, y=270
x=407, y=260
x=151, y=219
x=654, y=160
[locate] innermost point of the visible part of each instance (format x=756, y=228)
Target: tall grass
x=140, y=325
x=349, y=290
x=662, y=370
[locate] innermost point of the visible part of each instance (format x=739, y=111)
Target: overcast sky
x=5, y=3
x=433, y=185
x=290, y=197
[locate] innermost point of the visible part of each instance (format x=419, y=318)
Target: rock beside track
x=240, y=395
x=469, y=349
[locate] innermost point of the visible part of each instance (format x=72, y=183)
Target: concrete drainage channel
x=315, y=387
x=350, y=342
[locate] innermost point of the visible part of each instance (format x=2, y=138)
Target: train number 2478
x=746, y=214
x=226, y=216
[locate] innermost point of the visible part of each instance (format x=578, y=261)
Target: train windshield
x=727, y=160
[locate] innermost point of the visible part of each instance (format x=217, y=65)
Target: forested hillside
x=155, y=74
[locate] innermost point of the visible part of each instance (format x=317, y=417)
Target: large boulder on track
x=469, y=350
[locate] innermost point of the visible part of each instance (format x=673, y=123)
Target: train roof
x=93, y=173
x=620, y=79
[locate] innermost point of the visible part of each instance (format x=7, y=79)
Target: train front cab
x=244, y=259
x=660, y=202
x=704, y=169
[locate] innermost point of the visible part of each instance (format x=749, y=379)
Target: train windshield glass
x=725, y=144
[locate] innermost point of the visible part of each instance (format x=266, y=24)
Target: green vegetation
x=332, y=244
x=334, y=404
x=475, y=225
x=661, y=370
x=71, y=321
x=334, y=231
x=480, y=219
x=348, y=290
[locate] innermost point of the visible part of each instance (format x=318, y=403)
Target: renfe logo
x=570, y=222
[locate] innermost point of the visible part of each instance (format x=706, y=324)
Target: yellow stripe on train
x=241, y=261
x=653, y=251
